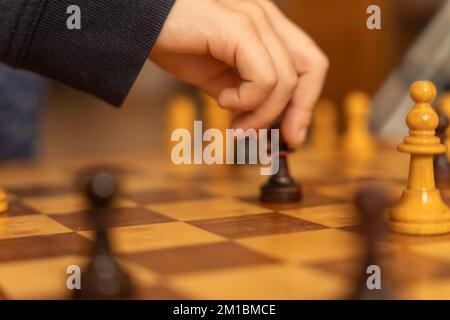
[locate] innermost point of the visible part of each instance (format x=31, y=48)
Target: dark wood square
x=37, y=247
x=255, y=225
x=198, y=258
x=18, y=208
x=308, y=200
x=117, y=217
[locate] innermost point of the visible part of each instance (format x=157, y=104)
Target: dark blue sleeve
x=103, y=58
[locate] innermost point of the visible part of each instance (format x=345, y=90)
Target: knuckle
x=243, y=22
x=324, y=61
x=256, y=11
x=319, y=60
x=270, y=80
x=290, y=81
x=267, y=4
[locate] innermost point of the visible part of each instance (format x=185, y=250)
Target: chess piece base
x=271, y=193
x=419, y=229
x=103, y=280
x=420, y=213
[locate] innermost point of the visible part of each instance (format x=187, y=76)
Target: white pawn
x=324, y=126
x=421, y=210
x=357, y=141
x=181, y=114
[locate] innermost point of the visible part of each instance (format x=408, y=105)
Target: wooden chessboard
x=199, y=232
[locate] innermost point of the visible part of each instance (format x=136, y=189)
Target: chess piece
x=324, y=126
x=444, y=107
x=281, y=187
x=3, y=201
x=103, y=277
x=440, y=161
x=181, y=114
x=371, y=205
x=357, y=141
x=217, y=118
x=421, y=210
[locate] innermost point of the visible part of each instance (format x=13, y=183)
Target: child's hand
x=249, y=56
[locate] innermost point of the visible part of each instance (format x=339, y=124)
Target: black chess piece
x=103, y=278
x=441, y=164
x=371, y=205
x=281, y=187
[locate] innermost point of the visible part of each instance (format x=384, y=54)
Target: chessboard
x=200, y=232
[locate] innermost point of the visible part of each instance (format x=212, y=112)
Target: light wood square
x=136, y=183
x=157, y=236
x=334, y=216
x=29, y=225
x=67, y=203
x=46, y=278
x=427, y=290
x=260, y=282
x=348, y=190
x=342, y=190
x=308, y=246
x=207, y=209
x=438, y=250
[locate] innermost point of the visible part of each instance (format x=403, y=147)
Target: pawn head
x=101, y=189
x=422, y=117
x=422, y=91
x=357, y=102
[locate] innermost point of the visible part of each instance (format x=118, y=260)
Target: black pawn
x=441, y=164
x=103, y=278
x=371, y=205
x=281, y=187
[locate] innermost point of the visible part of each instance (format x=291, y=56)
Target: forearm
x=103, y=58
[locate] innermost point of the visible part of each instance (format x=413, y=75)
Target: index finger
x=247, y=53
x=310, y=63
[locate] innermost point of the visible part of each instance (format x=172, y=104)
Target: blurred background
x=72, y=123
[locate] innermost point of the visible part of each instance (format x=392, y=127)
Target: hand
x=247, y=55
